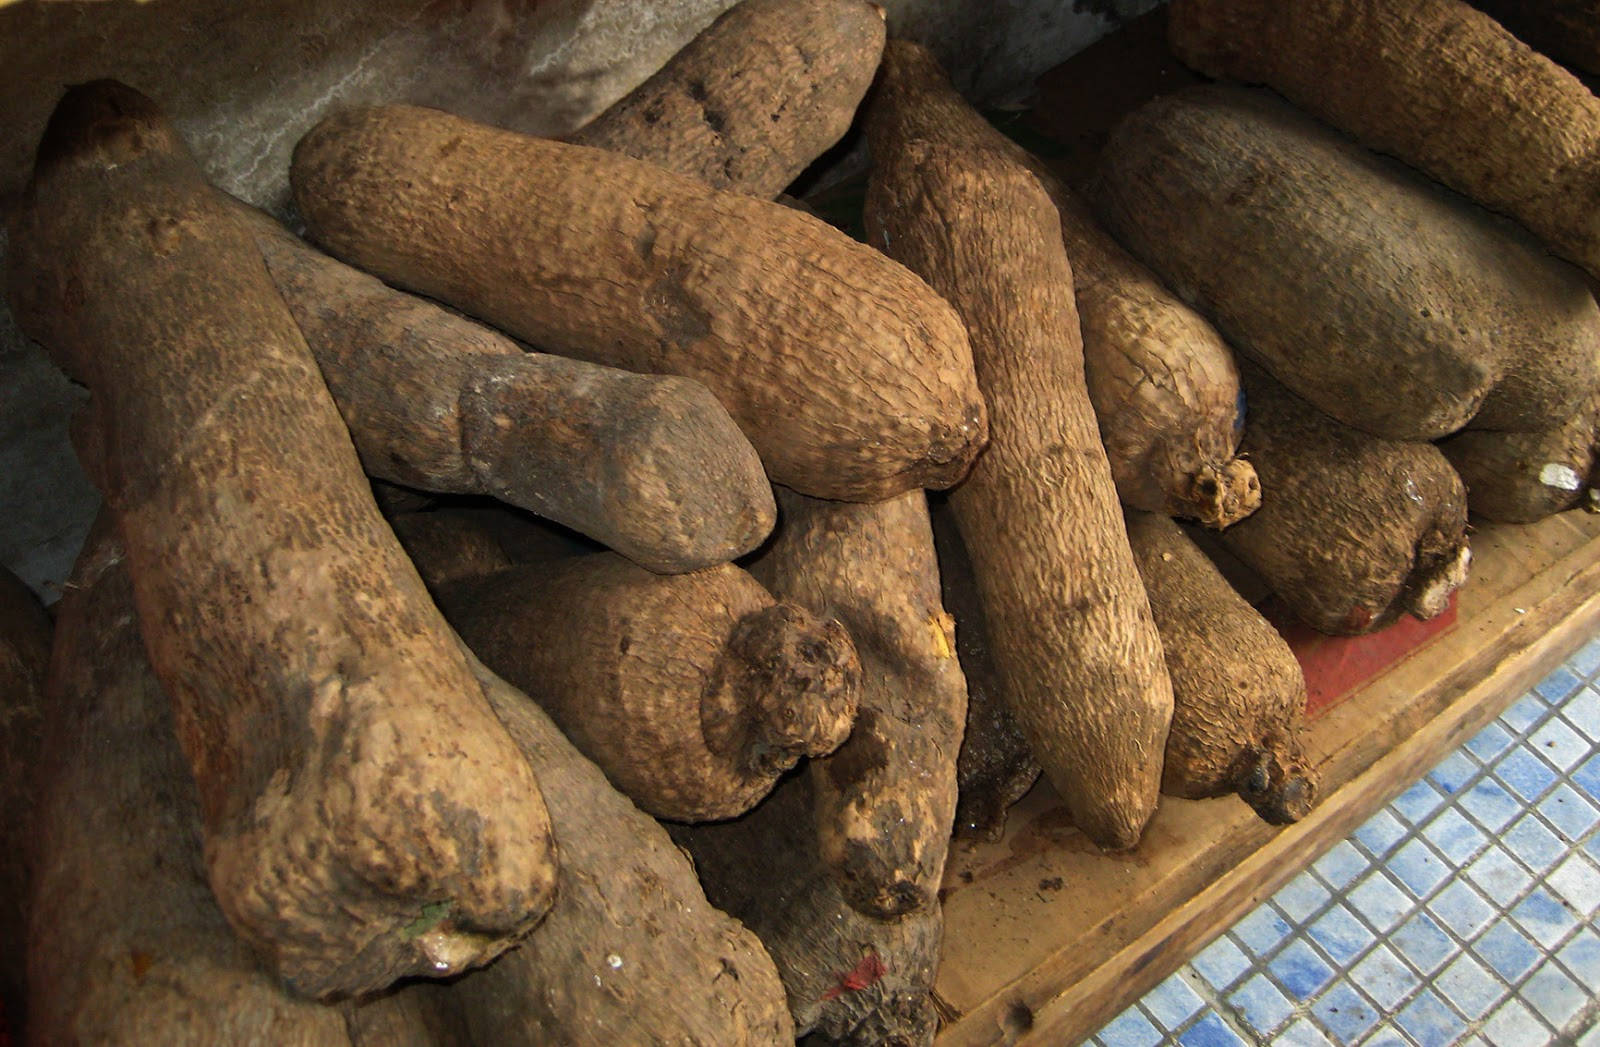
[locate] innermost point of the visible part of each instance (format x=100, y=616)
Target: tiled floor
x=1463, y=913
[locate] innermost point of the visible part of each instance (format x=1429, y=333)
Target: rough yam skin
x=1433, y=82
x=755, y=98
x=1389, y=303
x=1361, y=529
x=1163, y=383
x=1566, y=30
x=1069, y=623
x=649, y=465
x=693, y=692
x=885, y=801
x=1238, y=694
x=995, y=767
x=350, y=771
x=25, y=633
x=448, y=547
x=850, y=377
x=1524, y=477
x=631, y=952
x=851, y=979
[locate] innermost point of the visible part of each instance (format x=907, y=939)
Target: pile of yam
x=518, y=613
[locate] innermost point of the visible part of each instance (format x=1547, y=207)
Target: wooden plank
x=1046, y=938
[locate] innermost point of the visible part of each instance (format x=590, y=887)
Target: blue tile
x=1221, y=963
x=1570, y=814
x=1560, y=744
x=1341, y=864
x=1553, y=996
x=1380, y=833
x=1379, y=901
x=1544, y=918
x=1461, y=909
x=1507, y=950
x=1577, y=882
x=1421, y=941
x=1500, y=876
x=1489, y=802
x=1582, y=711
x=1587, y=777
x=1172, y=1003
x=1489, y=742
x=1533, y=844
x=1523, y=714
x=1417, y=868
x=1429, y=1022
x=1340, y=934
x=1261, y=930
x=1513, y=1025
x=1299, y=970
x=1417, y=802
x=1261, y=1005
x=1345, y=1013
x=1590, y=1038
x=1526, y=774
x=1592, y=845
x=1582, y=957
x=1130, y=1029
x=1470, y=988
x=1301, y=897
x=1455, y=837
x=1387, y=1037
x=1586, y=660
x=1301, y=1034
x=1210, y=1031
x=1453, y=772
x=1384, y=978
x=1560, y=683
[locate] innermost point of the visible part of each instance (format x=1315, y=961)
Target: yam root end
x=1275, y=783
x=1434, y=580
x=1219, y=496
x=104, y=122
x=795, y=682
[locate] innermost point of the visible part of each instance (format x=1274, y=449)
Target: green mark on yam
x=432, y=914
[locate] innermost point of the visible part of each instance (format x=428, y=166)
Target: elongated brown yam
x=448, y=547
x=755, y=98
x=1162, y=382
x=1524, y=477
x=1433, y=82
x=1388, y=303
x=886, y=799
x=352, y=778
x=631, y=951
x=1566, y=30
x=693, y=692
x=24, y=657
x=995, y=767
x=1238, y=695
x=1361, y=530
x=649, y=465
x=850, y=978
x=1068, y=620
x=851, y=378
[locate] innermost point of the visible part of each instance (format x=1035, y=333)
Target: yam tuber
x=1524, y=477
x=693, y=692
x=1068, y=620
x=1238, y=694
x=366, y=817
x=631, y=951
x=995, y=767
x=24, y=657
x=1388, y=303
x=885, y=800
x=755, y=98
x=1162, y=382
x=650, y=465
x=1566, y=30
x=1433, y=82
x=448, y=547
x=851, y=979
x=851, y=378
x=1362, y=529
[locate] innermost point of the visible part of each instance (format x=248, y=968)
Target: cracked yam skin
x=1162, y=381
x=852, y=379
x=755, y=98
x=649, y=465
x=885, y=801
x=1069, y=623
x=352, y=777
x=1525, y=477
x=1432, y=82
x=1390, y=303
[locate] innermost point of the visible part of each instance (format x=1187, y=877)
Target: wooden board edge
x=1035, y=1010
